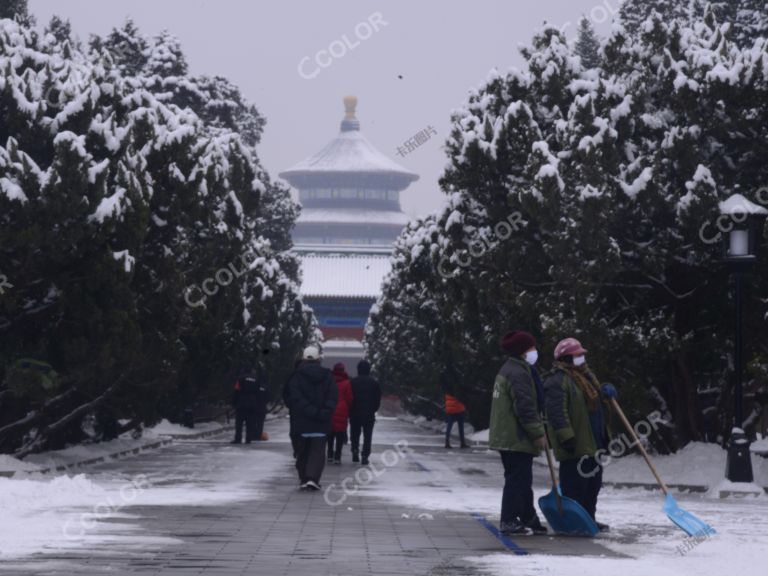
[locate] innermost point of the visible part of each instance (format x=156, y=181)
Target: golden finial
x=350, y=105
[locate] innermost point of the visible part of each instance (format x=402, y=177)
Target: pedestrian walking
x=250, y=398
x=366, y=401
x=340, y=422
x=455, y=410
x=517, y=431
x=313, y=397
x=578, y=413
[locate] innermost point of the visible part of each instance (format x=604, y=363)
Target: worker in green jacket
x=517, y=431
x=578, y=413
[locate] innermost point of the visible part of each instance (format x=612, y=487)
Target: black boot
x=448, y=443
x=514, y=528
x=355, y=456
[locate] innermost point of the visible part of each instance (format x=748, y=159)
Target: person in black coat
x=250, y=398
x=287, y=403
x=366, y=400
x=313, y=396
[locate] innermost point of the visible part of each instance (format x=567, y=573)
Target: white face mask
x=531, y=357
x=579, y=360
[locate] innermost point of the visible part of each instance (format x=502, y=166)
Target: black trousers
x=449, y=420
x=366, y=427
x=336, y=441
x=581, y=479
x=310, y=461
x=517, y=497
x=295, y=444
x=253, y=421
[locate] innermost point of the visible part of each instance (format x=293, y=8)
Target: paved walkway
x=278, y=530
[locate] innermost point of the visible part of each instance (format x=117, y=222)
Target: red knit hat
x=517, y=342
x=339, y=368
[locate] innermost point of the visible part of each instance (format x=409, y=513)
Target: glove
x=569, y=445
x=540, y=443
x=609, y=390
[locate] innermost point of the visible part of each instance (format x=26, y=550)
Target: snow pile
x=10, y=464
x=166, y=428
x=698, y=464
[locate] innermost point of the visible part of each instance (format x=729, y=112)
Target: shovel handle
x=632, y=433
x=551, y=465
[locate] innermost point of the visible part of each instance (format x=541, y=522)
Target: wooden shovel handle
x=552, y=472
x=632, y=433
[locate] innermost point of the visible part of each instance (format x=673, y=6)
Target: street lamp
x=742, y=221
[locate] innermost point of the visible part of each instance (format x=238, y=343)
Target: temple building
x=350, y=218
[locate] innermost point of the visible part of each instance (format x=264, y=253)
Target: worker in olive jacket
x=517, y=431
x=578, y=411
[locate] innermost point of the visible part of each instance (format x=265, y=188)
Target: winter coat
x=453, y=406
x=341, y=414
x=568, y=417
x=313, y=396
x=366, y=398
x=287, y=400
x=515, y=419
x=449, y=383
x=251, y=392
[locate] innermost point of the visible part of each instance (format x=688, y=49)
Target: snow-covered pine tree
x=634, y=13
x=128, y=48
x=13, y=9
x=132, y=200
x=751, y=22
x=587, y=44
x=614, y=172
x=268, y=210
x=403, y=338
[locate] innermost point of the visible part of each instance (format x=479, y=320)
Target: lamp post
x=741, y=221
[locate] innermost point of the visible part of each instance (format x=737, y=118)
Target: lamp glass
x=739, y=243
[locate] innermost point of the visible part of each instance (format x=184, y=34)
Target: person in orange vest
x=454, y=408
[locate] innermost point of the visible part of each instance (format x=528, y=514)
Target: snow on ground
x=9, y=465
x=714, y=558
x=697, y=464
x=463, y=483
x=481, y=436
x=166, y=428
x=45, y=513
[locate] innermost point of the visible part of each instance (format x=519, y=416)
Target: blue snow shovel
x=686, y=521
x=564, y=516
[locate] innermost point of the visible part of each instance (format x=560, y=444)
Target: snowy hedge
x=146, y=247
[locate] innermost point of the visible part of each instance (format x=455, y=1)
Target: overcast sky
x=409, y=62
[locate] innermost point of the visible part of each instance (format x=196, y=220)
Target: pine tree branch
x=35, y=415
x=40, y=439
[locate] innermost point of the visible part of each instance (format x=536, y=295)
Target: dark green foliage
x=587, y=45
x=13, y=8
x=610, y=176
x=117, y=203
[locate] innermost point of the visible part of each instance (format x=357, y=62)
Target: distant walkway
x=284, y=531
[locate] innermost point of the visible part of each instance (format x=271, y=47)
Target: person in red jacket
x=454, y=408
x=338, y=436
